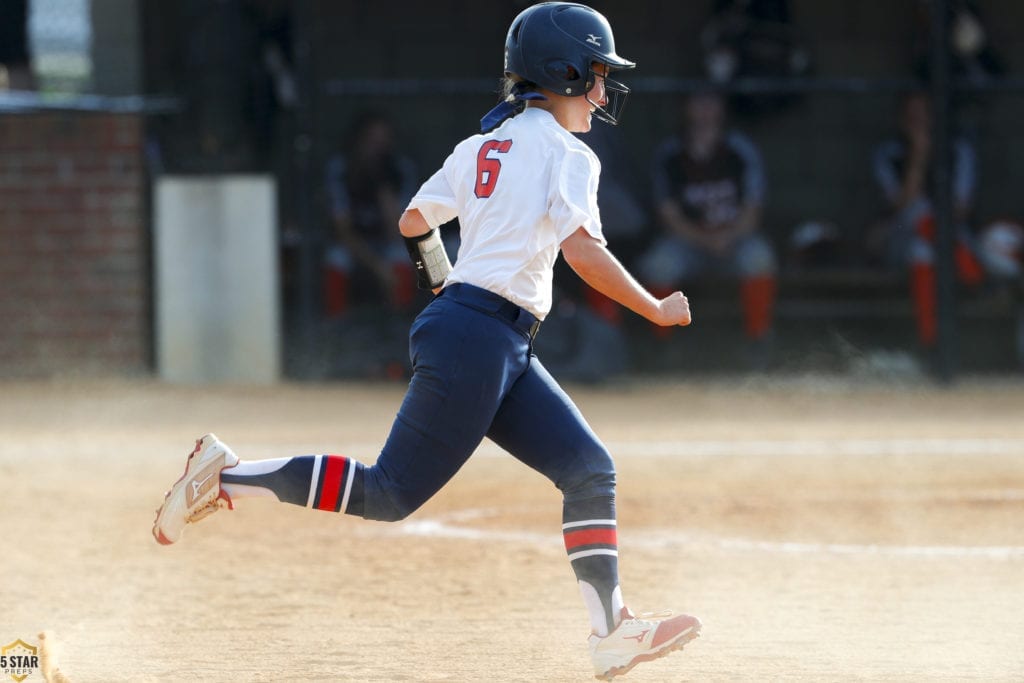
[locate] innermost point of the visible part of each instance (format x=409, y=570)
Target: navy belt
x=489, y=302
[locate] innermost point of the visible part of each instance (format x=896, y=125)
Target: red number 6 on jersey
x=488, y=168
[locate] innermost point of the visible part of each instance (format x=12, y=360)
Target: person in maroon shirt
x=366, y=189
x=709, y=189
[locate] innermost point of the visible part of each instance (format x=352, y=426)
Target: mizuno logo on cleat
x=197, y=484
x=639, y=638
x=201, y=484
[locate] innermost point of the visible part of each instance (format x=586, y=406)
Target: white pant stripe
x=590, y=553
x=348, y=485
x=588, y=522
x=312, y=483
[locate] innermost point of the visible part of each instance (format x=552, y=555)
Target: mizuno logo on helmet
x=594, y=40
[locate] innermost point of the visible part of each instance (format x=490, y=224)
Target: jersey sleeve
x=337, y=193
x=573, y=197
x=753, y=168
x=884, y=165
x=436, y=199
x=965, y=172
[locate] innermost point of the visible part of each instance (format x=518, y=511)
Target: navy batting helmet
x=555, y=45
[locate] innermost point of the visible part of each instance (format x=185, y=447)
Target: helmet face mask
x=615, y=94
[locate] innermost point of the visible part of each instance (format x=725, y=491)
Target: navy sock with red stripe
x=589, y=530
x=324, y=482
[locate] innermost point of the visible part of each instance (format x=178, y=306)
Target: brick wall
x=73, y=248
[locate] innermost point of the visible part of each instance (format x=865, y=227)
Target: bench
x=827, y=317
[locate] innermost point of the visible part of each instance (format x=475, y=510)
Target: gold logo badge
x=18, y=660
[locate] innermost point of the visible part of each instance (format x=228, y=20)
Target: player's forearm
x=961, y=211
x=601, y=270
x=355, y=243
x=748, y=220
x=390, y=207
x=913, y=185
x=672, y=216
x=365, y=254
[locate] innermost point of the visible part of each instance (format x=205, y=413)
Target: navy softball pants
x=474, y=375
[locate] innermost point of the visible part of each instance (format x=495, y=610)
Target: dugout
x=214, y=72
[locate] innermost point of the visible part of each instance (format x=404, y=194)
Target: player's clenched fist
x=673, y=310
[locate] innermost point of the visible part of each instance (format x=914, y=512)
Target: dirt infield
x=823, y=532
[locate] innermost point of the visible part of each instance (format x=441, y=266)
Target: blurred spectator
x=905, y=171
x=709, y=188
x=973, y=55
x=753, y=38
x=14, y=53
x=368, y=186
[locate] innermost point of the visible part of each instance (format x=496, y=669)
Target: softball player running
x=522, y=190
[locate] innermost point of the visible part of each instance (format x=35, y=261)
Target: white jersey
x=518, y=191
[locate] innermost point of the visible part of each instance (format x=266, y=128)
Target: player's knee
x=921, y=252
x=756, y=258
x=591, y=475
x=388, y=511
x=339, y=259
x=390, y=514
x=385, y=501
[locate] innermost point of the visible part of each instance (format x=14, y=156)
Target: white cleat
x=197, y=494
x=640, y=640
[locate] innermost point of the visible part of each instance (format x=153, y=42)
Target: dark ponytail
x=514, y=93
